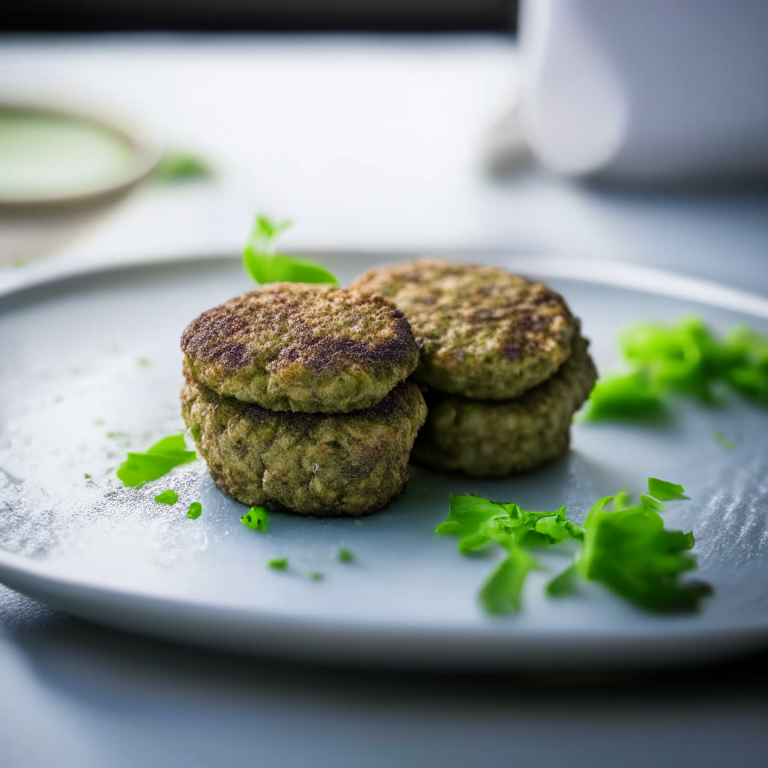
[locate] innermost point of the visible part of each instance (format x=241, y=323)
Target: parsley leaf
x=565, y=583
x=501, y=592
x=684, y=358
x=627, y=398
x=481, y=522
x=279, y=563
x=651, y=503
x=664, y=491
x=195, y=510
x=169, y=497
x=624, y=547
x=264, y=265
x=158, y=460
x=256, y=518
x=631, y=553
x=346, y=556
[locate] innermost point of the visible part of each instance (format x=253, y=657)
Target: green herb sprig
x=265, y=265
x=625, y=548
x=685, y=359
x=156, y=461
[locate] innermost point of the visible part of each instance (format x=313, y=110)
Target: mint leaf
x=264, y=265
x=502, y=591
x=256, y=518
x=158, y=460
x=195, y=510
x=169, y=497
x=664, y=491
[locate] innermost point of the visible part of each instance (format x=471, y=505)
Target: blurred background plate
x=53, y=156
x=91, y=368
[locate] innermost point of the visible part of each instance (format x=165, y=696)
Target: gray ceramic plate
x=91, y=365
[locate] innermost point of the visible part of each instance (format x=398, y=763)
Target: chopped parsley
x=664, y=491
x=625, y=548
x=178, y=166
x=144, y=362
x=265, y=265
x=625, y=398
x=630, y=552
x=685, y=358
x=256, y=518
x=481, y=522
x=346, y=555
x=195, y=510
x=316, y=576
x=169, y=497
x=156, y=461
x=279, y=563
x=501, y=592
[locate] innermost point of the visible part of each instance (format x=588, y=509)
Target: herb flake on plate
x=256, y=518
x=169, y=497
x=156, y=461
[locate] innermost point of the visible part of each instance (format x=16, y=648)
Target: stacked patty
x=503, y=361
x=296, y=396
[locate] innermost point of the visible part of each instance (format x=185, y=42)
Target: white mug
x=646, y=90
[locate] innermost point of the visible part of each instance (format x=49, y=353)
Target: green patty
x=486, y=334
x=300, y=347
x=313, y=464
x=494, y=439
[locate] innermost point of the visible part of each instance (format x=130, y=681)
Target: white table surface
x=366, y=143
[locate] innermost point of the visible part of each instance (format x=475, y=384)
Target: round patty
x=301, y=347
x=486, y=334
x=313, y=464
x=494, y=439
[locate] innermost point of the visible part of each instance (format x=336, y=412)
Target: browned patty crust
x=486, y=334
x=302, y=347
x=492, y=439
x=314, y=464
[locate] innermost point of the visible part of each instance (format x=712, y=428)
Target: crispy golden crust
x=486, y=334
x=301, y=347
x=313, y=464
x=494, y=439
